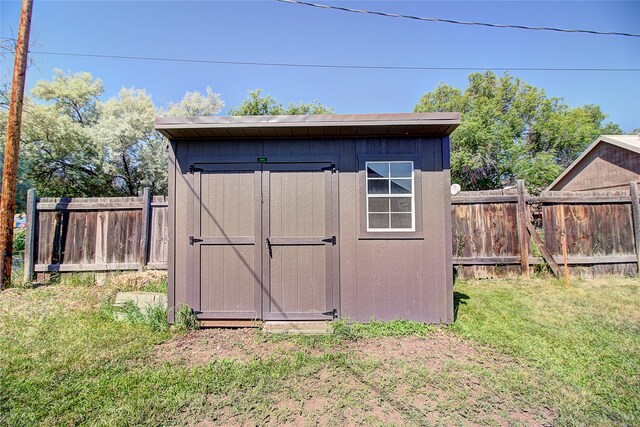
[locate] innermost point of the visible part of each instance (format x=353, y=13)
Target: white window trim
x=404, y=195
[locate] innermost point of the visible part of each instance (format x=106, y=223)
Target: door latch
x=193, y=240
x=331, y=240
x=333, y=313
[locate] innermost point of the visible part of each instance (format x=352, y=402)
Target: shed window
x=390, y=196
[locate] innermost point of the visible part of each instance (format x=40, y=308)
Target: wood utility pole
x=12, y=147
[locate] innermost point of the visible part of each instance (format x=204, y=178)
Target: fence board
x=159, y=236
x=30, y=236
x=635, y=211
x=72, y=268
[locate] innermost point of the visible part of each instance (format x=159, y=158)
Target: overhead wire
x=329, y=66
x=457, y=22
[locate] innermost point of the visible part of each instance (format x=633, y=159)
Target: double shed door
x=263, y=241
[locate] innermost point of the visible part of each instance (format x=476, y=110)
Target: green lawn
x=520, y=353
x=585, y=338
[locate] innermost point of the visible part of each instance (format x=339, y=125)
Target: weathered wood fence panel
x=485, y=232
x=602, y=232
x=599, y=228
x=129, y=233
x=98, y=234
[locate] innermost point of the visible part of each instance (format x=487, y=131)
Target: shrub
x=344, y=330
x=18, y=240
x=186, y=319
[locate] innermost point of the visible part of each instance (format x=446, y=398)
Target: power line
x=453, y=21
x=331, y=66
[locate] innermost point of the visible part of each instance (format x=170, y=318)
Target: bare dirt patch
x=436, y=349
x=208, y=345
x=436, y=379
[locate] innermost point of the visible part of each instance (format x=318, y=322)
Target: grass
x=343, y=330
x=586, y=338
x=154, y=316
x=377, y=329
x=520, y=353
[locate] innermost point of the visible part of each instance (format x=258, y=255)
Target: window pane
x=401, y=220
x=400, y=204
x=400, y=186
x=378, y=220
x=377, y=170
x=379, y=204
x=378, y=186
x=401, y=170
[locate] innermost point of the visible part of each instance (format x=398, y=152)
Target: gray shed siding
x=378, y=278
x=606, y=168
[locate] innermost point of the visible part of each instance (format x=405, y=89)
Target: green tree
x=153, y=155
x=74, y=95
x=75, y=145
x=258, y=105
x=124, y=128
x=60, y=153
x=195, y=104
x=510, y=129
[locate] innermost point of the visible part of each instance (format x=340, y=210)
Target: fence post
x=523, y=237
x=146, y=222
x=635, y=209
x=30, y=235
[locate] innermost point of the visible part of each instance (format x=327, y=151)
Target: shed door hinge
x=193, y=168
x=331, y=240
x=193, y=240
x=331, y=168
x=333, y=313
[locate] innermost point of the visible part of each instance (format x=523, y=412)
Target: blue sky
x=269, y=31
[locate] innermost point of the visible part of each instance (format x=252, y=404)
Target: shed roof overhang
x=310, y=126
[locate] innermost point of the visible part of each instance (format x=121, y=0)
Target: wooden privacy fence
x=492, y=232
x=95, y=234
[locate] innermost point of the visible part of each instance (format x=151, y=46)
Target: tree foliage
x=195, y=104
x=75, y=145
x=73, y=95
x=257, y=105
x=510, y=129
x=60, y=154
x=124, y=128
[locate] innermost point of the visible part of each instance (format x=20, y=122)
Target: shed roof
x=627, y=142
x=330, y=125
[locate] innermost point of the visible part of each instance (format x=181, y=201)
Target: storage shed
x=311, y=217
x=608, y=164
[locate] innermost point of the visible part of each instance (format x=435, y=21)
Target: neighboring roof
x=330, y=125
x=628, y=142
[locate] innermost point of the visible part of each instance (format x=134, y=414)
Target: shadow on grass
x=458, y=299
